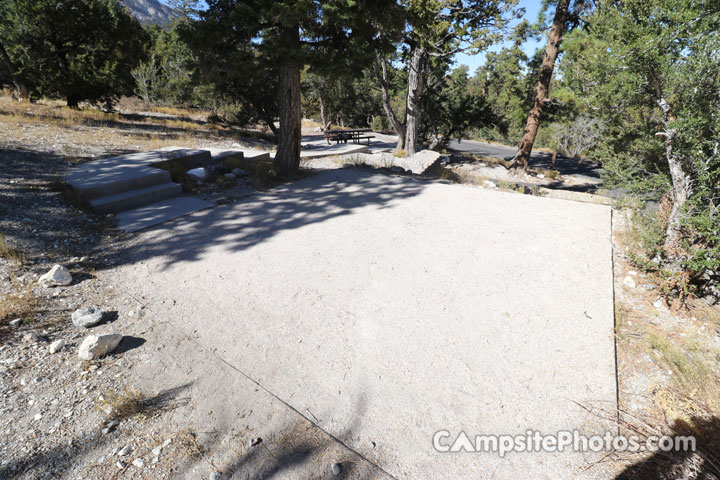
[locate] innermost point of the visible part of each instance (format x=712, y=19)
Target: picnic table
x=353, y=135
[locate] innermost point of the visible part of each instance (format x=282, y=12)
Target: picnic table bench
x=353, y=135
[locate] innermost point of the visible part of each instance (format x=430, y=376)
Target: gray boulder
x=87, y=317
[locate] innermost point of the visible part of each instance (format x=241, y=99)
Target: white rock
x=120, y=465
x=30, y=337
x=657, y=304
x=215, y=476
x=58, y=275
x=139, y=462
x=95, y=346
x=629, y=282
x=124, y=451
x=197, y=173
x=57, y=345
x=157, y=451
x=87, y=317
x=16, y=322
x=489, y=184
x=632, y=272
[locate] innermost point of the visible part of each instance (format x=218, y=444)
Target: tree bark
x=20, y=88
x=73, y=101
x=681, y=182
x=543, y=85
x=287, y=159
x=397, y=126
x=416, y=82
x=323, y=113
x=269, y=121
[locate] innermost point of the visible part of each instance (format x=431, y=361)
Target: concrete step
x=135, y=198
x=106, y=179
x=113, y=175
x=159, y=212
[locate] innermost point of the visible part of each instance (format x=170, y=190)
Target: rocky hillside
x=150, y=11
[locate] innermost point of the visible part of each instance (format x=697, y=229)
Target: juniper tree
x=437, y=29
x=652, y=67
x=73, y=49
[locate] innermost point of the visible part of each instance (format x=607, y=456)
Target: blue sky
x=532, y=8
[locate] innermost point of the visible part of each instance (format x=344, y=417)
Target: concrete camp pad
x=385, y=308
x=159, y=212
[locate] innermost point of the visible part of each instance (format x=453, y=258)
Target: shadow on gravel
x=128, y=343
x=239, y=226
x=702, y=464
x=565, y=165
x=301, y=450
x=164, y=400
x=108, y=318
x=51, y=461
x=36, y=213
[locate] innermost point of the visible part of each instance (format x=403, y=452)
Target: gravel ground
x=58, y=414
x=55, y=406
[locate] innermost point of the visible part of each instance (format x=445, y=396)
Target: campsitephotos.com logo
x=564, y=440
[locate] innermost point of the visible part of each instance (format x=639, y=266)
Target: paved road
x=566, y=165
x=385, y=309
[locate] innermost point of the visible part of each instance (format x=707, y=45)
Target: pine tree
x=290, y=35
x=73, y=49
x=564, y=18
x=436, y=31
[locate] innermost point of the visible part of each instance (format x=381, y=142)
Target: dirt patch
x=668, y=370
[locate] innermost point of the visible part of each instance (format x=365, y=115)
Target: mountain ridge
x=150, y=11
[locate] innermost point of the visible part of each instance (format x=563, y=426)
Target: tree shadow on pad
x=290, y=206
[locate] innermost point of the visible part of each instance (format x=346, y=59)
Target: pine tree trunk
x=397, y=126
x=287, y=159
x=270, y=122
x=680, y=194
x=20, y=88
x=323, y=114
x=73, y=101
x=416, y=82
x=543, y=85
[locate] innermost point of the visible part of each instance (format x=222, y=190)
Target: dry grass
x=706, y=313
x=185, y=127
x=9, y=253
x=123, y=404
x=306, y=123
x=52, y=113
x=21, y=304
x=194, y=114
x=549, y=174
x=693, y=368
x=188, y=442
